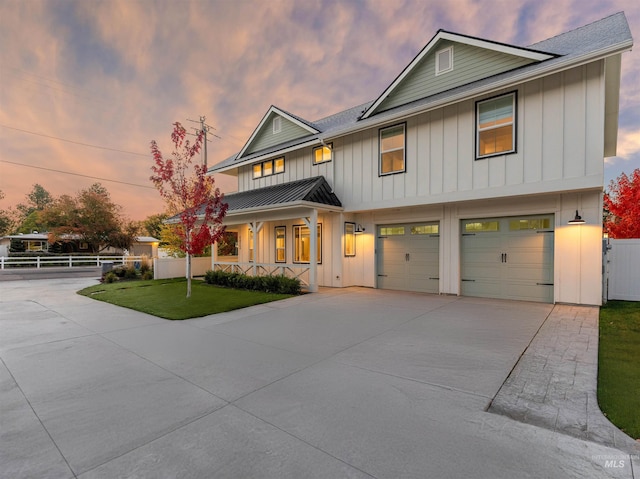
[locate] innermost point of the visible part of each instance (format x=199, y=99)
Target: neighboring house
x=461, y=177
x=39, y=242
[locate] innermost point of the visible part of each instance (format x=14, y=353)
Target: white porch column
x=312, y=224
x=214, y=255
x=255, y=228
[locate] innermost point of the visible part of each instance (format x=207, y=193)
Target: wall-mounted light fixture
x=577, y=220
x=359, y=229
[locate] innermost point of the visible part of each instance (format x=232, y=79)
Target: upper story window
x=268, y=167
x=276, y=125
x=496, y=126
x=392, y=147
x=444, y=60
x=322, y=154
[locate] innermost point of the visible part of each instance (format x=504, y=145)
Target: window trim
x=404, y=149
x=329, y=146
x=352, y=235
x=284, y=248
x=514, y=125
x=276, y=125
x=295, y=243
x=273, y=167
x=440, y=71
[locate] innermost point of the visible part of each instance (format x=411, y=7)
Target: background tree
x=37, y=200
x=91, y=217
x=622, y=206
x=6, y=219
x=190, y=195
x=29, y=213
x=152, y=225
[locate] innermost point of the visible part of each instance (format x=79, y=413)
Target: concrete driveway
x=353, y=383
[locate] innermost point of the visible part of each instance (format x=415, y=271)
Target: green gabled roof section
x=291, y=128
x=473, y=59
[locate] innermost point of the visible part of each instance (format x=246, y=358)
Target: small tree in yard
x=622, y=206
x=190, y=195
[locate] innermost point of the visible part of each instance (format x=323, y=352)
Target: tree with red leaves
x=622, y=206
x=191, y=195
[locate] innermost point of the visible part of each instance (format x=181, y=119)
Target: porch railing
x=298, y=271
x=7, y=262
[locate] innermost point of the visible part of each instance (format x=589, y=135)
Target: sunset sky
x=86, y=85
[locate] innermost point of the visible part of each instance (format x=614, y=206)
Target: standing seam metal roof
x=314, y=190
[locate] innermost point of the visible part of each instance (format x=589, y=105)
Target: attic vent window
x=277, y=125
x=444, y=60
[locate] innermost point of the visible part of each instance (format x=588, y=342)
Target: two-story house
x=462, y=177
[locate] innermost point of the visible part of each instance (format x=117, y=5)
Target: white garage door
x=509, y=258
x=407, y=257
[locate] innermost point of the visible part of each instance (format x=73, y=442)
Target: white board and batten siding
x=624, y=269
x=558, y=149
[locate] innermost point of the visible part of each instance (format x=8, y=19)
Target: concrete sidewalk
x=554, y=384
x=343, y=383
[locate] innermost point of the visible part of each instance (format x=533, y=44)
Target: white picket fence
x=7, y=262
x=623, y=267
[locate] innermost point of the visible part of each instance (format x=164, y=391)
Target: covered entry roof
x=312, y=190
x=295, y=197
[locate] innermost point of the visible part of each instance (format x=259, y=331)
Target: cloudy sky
x=85, y=85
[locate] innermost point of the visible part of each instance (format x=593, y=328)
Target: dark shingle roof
x=314, y=190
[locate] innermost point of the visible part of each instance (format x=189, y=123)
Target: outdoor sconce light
x=359, y=229
x=577, y=220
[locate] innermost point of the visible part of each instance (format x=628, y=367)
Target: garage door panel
x=530, y=292
x=480, y=272
x=482, y=289
x=510, y=263
x=409, y=261
x=530, y=274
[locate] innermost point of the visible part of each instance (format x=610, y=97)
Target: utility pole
x=204, y=128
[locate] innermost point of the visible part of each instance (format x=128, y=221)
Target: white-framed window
x=496, y=126
x=392, y=149
x=322, y=154
x=281, y=244
x=349, y=239
x=278, y=165
x=444, y=60
x=268, y=168
x=302, y=244
x=276, y=125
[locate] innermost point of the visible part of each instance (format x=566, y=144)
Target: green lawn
x=619, y=365
x=167, y=298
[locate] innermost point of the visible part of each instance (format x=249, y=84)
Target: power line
x=76, y=174
x=146, y=155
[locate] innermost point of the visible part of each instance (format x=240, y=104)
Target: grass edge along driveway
x=619, y=365
x=167, y=298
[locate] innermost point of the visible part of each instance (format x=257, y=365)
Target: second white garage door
x=408, y=257
x=509, y=258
